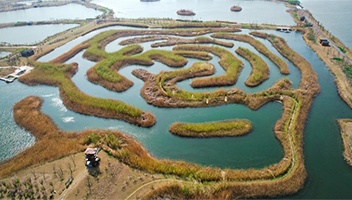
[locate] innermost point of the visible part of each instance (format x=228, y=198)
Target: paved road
x=323, y=35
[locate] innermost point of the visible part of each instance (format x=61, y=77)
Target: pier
x=18, y=72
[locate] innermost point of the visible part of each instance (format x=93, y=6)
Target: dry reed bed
x=258, y=46
x=74, y=99
x=51, y=143
x=105, y=72
x=101, y=40
x=260, y=70
x=171, y=41
x=283, y=178
x=160, y=90
x=228, y=62
x=133, y=154
x=345, y=128
x=309, y=81
x=211, y=129
x=194, y=54
x=70, y=54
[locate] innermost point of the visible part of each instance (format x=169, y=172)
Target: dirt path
x=75, y=182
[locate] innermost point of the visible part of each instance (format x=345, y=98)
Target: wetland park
x=181, y=107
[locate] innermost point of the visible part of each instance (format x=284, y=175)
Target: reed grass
x=51, y=143
x=211, y=129
x=309, y=80
x=283, y=178
x=194, y=54
x=260, y=70
x=74, y=99
x=228, y=62
x=258, y=46
x=70, y=54
x=344, y=125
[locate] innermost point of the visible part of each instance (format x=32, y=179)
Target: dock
x=18, y=72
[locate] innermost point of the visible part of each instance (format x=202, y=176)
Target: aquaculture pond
x=328, y=174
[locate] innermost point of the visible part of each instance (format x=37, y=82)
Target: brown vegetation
x=346, y=135
x=228, y=62
x=260, y=70
x=74, y=99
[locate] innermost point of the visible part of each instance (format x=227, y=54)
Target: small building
x=91, y=157
x=27, y=53
x=284, y=29
x=324, y=42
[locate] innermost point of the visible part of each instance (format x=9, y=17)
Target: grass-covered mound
x=309, y=81
x=211, y=129
x=171, y=41
x=258, y=46
x=228, y=62
x=260, y=70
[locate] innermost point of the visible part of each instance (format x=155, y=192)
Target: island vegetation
x=212, y=129
x=260, y=70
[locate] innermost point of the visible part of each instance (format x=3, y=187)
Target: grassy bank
x=60, y=76
x=345, y=129
x=309, y=81
x=228, y=62
x=211, y=129
x=260, y=70
x=258, y=46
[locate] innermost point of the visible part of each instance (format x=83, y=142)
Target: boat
x=185, y=12
x=236, y=8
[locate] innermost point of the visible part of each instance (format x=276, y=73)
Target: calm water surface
x=209, y=10
x=70, y=11
x=31, y=35
x=335, y=15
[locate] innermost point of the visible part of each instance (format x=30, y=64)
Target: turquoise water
x=328, y=174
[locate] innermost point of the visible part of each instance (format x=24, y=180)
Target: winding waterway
x=328, y=174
